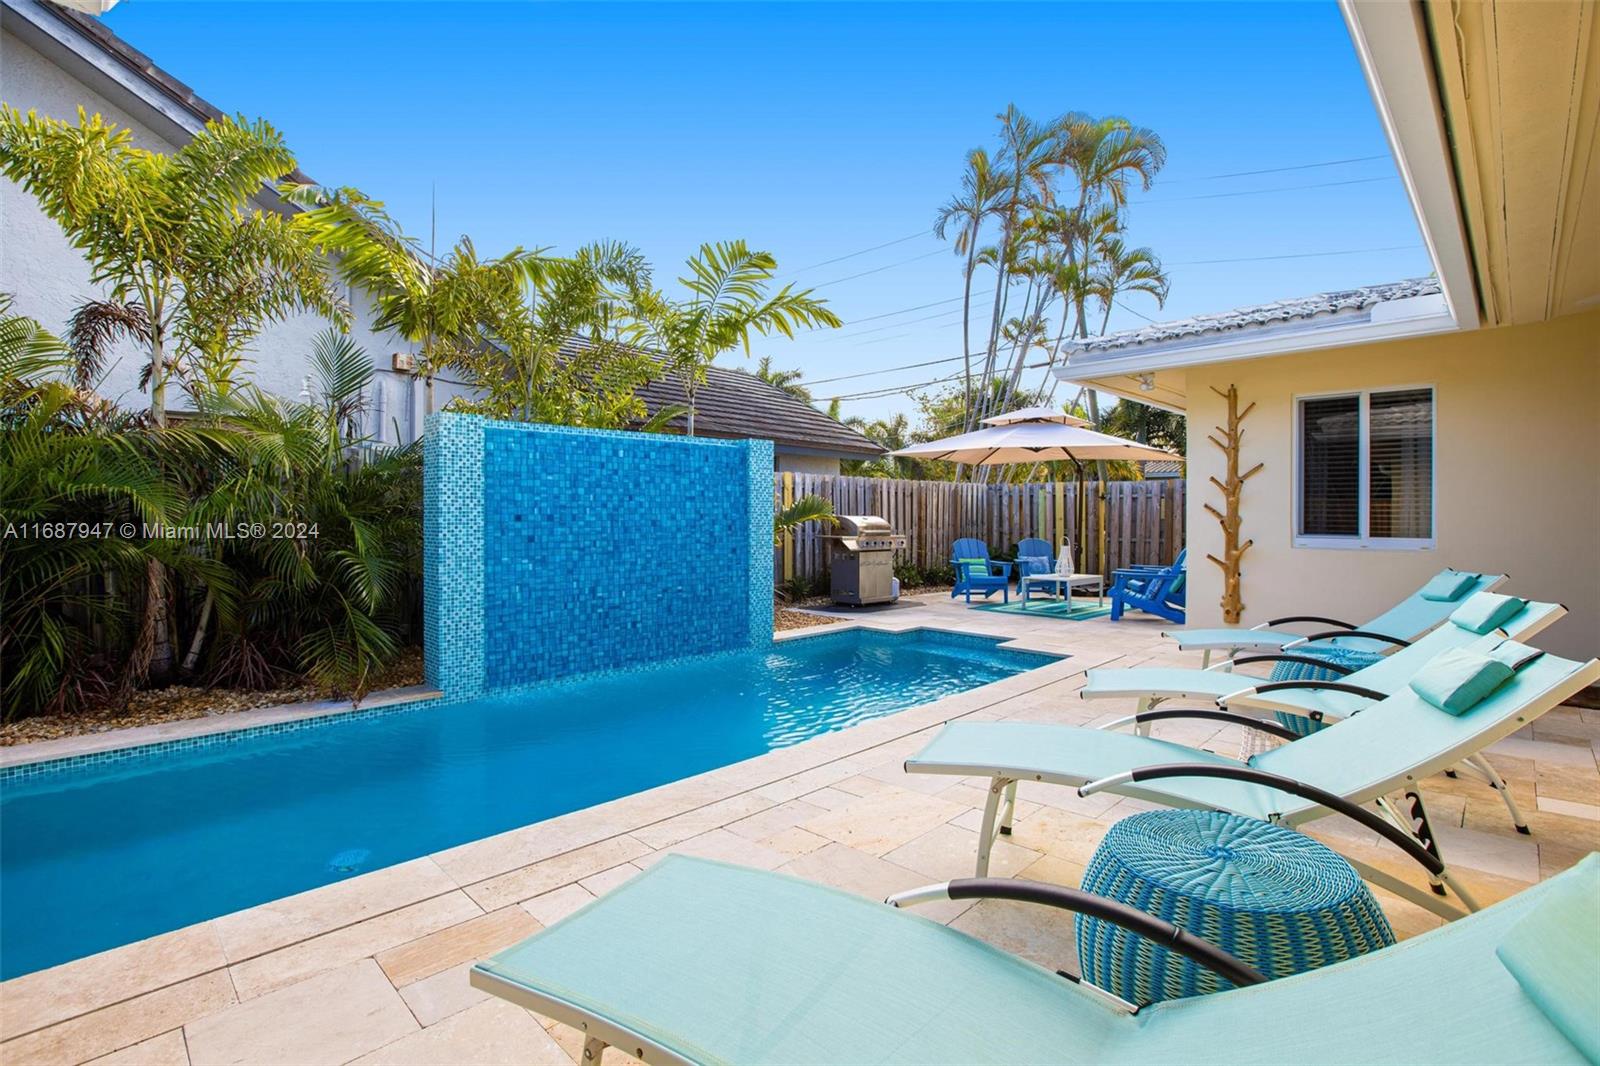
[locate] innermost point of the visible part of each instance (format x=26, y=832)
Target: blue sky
x=816, y=131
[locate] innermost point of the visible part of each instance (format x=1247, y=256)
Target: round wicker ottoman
x=1276, y=899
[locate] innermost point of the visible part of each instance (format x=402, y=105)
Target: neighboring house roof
x=1163, y=468
x=736, y=404
x=1341, y=305
x=112, y=63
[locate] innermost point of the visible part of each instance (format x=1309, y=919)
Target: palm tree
x=728, y=302
x=327, y=603
x=982, y=190
x=438, y=305
x=808, y=508
x=1123, y=269
x=190, y=265
x=547, y=345
x=787, y=381
x=1029, y=153
x=1104, y=155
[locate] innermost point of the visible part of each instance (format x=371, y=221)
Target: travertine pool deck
x=374, y=969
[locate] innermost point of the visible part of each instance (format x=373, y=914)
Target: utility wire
x=852, y=255
x=895, y=390
x=886, y=266
x=1298, y=255
x=1276, y=170
x=1172, y=181
x=1261, y=192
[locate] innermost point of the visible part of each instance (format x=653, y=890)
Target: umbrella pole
x=1083, y=520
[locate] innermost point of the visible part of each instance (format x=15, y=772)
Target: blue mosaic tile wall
x=552, y=551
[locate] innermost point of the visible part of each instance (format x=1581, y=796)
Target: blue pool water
x=97, y=856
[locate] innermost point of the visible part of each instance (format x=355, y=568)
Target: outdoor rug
x=1073, y=610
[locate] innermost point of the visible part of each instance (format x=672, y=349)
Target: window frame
x=1364, y=541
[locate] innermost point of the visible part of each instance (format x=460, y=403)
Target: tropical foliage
x=729, y=301
x=259, y=539
x=94, y=496
x=1044, y=217
x=807, y=508
x=191, y=267
x=786, y=381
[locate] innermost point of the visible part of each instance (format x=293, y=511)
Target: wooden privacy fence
x=1142, y=520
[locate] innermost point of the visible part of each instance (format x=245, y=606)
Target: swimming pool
x=100, y=855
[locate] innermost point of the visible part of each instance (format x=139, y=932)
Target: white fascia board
x=1169, y=357
x=57, y=40
x=1392, y=43
x=40, y=27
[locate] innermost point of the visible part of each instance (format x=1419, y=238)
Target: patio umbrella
x=1037, y=435
x=1036, y=414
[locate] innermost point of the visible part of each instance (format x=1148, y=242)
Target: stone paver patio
x=374, y=969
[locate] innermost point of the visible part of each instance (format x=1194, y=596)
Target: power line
x=875, y=373
x=1299, y=255
x=1260, y=192
x=876, y=394
x=886, y=266
x=1278, y=170
x=852, y=255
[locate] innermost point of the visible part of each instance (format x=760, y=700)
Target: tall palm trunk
x=152, y=655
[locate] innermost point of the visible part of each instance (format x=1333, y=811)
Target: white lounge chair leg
x=1011, y=810
x=593, y=1048
x=1205, y=659
x=1498, y=783
x=1142, y=728
x=986, y=834
x=1459, y=889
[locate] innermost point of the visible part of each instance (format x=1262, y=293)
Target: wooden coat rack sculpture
x=1232, y=550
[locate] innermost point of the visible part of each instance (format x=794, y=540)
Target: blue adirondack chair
x=1154, y=590
x=1034, y=548
x=976, y=572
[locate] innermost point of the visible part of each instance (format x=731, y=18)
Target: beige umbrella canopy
x=1039, y=435
x=1036, y=414
x=1033, y=442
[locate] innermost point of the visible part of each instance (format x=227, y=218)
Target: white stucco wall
x=49, y=278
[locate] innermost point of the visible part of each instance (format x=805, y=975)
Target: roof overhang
x=1391, y=40
x=55, y=36
x=1493, y=112
x=1153, y=374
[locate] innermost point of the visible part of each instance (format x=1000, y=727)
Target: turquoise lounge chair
x=699, y=962
x=1389, y=747
x=1404, y=622
x=1160, y=591
x=976, y=572
x=1315, y=701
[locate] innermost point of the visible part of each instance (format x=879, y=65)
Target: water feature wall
x=550, y=551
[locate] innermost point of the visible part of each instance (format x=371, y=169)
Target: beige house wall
x=1516, y=475
x=806, y=464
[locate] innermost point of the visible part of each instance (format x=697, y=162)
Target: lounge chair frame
x=599, y=1033
x=1003, y=786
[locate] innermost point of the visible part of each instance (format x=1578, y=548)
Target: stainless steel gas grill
x=862, y=559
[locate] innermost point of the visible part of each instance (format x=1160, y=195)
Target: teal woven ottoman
x=1276, y=899
x=1349, y=659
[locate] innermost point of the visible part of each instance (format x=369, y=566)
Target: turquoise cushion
x=1448, y=584
x=1457, y=680
x=974, y=567
x=1486, y=611
x=1033, y=564
x=1513, y=654
x=1554, y=953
